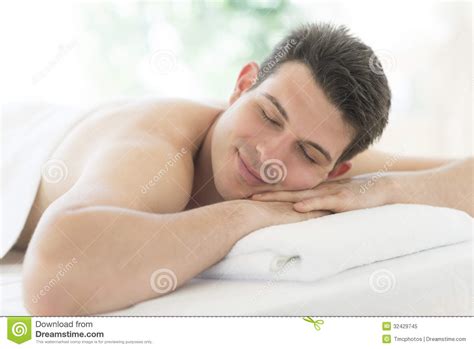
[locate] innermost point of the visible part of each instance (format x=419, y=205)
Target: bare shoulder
x=180, y=121
x=140, y=155
x=174, y=119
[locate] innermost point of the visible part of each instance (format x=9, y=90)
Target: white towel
x=321, y=247
x=30, y=133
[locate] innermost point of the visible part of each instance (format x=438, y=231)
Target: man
x=170, y=185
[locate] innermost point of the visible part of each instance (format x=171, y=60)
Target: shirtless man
x=168, y=185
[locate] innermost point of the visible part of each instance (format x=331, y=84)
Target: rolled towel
x=321, y=247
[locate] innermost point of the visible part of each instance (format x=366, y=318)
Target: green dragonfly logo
x=316, y=323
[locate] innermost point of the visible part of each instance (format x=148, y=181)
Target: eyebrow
x=284, y=114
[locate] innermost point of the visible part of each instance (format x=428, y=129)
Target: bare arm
x=372, y=160
x=115, y=252
x=135, y=256
x=449, y=185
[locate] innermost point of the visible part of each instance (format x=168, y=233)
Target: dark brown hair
x=348, y=72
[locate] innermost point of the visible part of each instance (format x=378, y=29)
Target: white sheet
x=30, y=133
x=317, y=248
x=434, y=282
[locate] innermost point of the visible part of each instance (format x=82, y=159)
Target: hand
x=274, y=212
x=336, y=196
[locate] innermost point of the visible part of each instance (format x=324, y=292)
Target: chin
x=229, y=188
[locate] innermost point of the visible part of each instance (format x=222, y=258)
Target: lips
x=251, y=170
x=248, y=173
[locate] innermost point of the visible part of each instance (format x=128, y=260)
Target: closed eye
x=266, y=118
x=307, y=156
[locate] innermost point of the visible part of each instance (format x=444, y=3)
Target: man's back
x=136, y=148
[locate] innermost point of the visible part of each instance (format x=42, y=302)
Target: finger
x=317, y=214
x=329, y=203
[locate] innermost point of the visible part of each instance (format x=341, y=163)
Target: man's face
x=285, y=132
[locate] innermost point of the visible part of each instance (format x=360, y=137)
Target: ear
x=247, y=76
x=340, y=169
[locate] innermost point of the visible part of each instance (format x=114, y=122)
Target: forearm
x=118, y=250
x=447, y=186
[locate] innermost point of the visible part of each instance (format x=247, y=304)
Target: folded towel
x=321, y=247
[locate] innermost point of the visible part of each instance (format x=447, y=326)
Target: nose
x=273, y=148
x=272, y=153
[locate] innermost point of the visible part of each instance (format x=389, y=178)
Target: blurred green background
x=214, y=38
